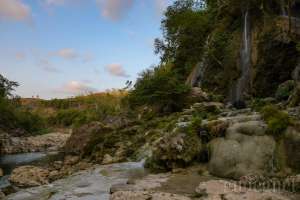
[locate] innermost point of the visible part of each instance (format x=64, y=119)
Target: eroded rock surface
x=29, y=176
x=40, y=143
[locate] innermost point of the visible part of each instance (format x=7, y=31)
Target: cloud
x=76, y=87
x=14, y=10
x=114, y=9
x=20, y=56
x=116, y=70
x=66, y=53
x=47, y=66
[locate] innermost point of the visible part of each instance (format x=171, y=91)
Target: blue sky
x=60, y=48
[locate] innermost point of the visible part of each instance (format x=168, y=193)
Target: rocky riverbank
x=40, y=143
x=92, y=184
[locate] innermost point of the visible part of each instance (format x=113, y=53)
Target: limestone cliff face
x=273, y=56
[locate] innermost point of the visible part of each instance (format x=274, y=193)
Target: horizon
x=64, y=48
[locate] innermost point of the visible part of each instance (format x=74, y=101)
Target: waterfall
x=243, y=83
x=283, y=9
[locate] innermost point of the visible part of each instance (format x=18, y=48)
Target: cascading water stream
x=283, y=9
x=243, y=82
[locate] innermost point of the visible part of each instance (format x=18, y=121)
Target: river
x=10, y=162
x=91, y=184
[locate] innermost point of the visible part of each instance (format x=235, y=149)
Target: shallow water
x=10, y=162
x=92, y=184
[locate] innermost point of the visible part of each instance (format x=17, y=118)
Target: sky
x=62, y=48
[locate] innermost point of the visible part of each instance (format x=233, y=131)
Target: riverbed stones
x=29, y=176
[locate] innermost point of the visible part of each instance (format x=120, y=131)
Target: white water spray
x=243, y=82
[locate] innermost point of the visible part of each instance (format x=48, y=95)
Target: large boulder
x=245, y=150
x=174, y=150
x=83, y=136
x=292, y=148
x=29, y=176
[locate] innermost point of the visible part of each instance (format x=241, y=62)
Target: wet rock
x=1, y=172
x=29, y=176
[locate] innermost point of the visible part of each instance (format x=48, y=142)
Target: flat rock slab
x=92, y=184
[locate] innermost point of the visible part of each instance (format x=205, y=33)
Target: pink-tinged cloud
x=14, y=10
x=67, y=53
x=77, y=88
x=114, y=9
x=20, y=56
x=116, y=70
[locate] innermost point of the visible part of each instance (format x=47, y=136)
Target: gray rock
x=245, y=150
x=292, y=148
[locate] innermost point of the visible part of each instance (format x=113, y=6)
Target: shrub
x=161, y=88
x=285, y=90
x=277, y=120
x=17, y=118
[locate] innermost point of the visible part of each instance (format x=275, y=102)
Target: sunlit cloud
x=14, y=10
x=116, y=70
x=114, y=9
x=76, y=88
x=66, y=53
x=20, y=56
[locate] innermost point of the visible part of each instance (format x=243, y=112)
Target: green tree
x=159, y=87
x=6, y=87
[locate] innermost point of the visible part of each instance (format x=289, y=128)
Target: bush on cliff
x=285, y=90
x=159, y=87
x=277, y=120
